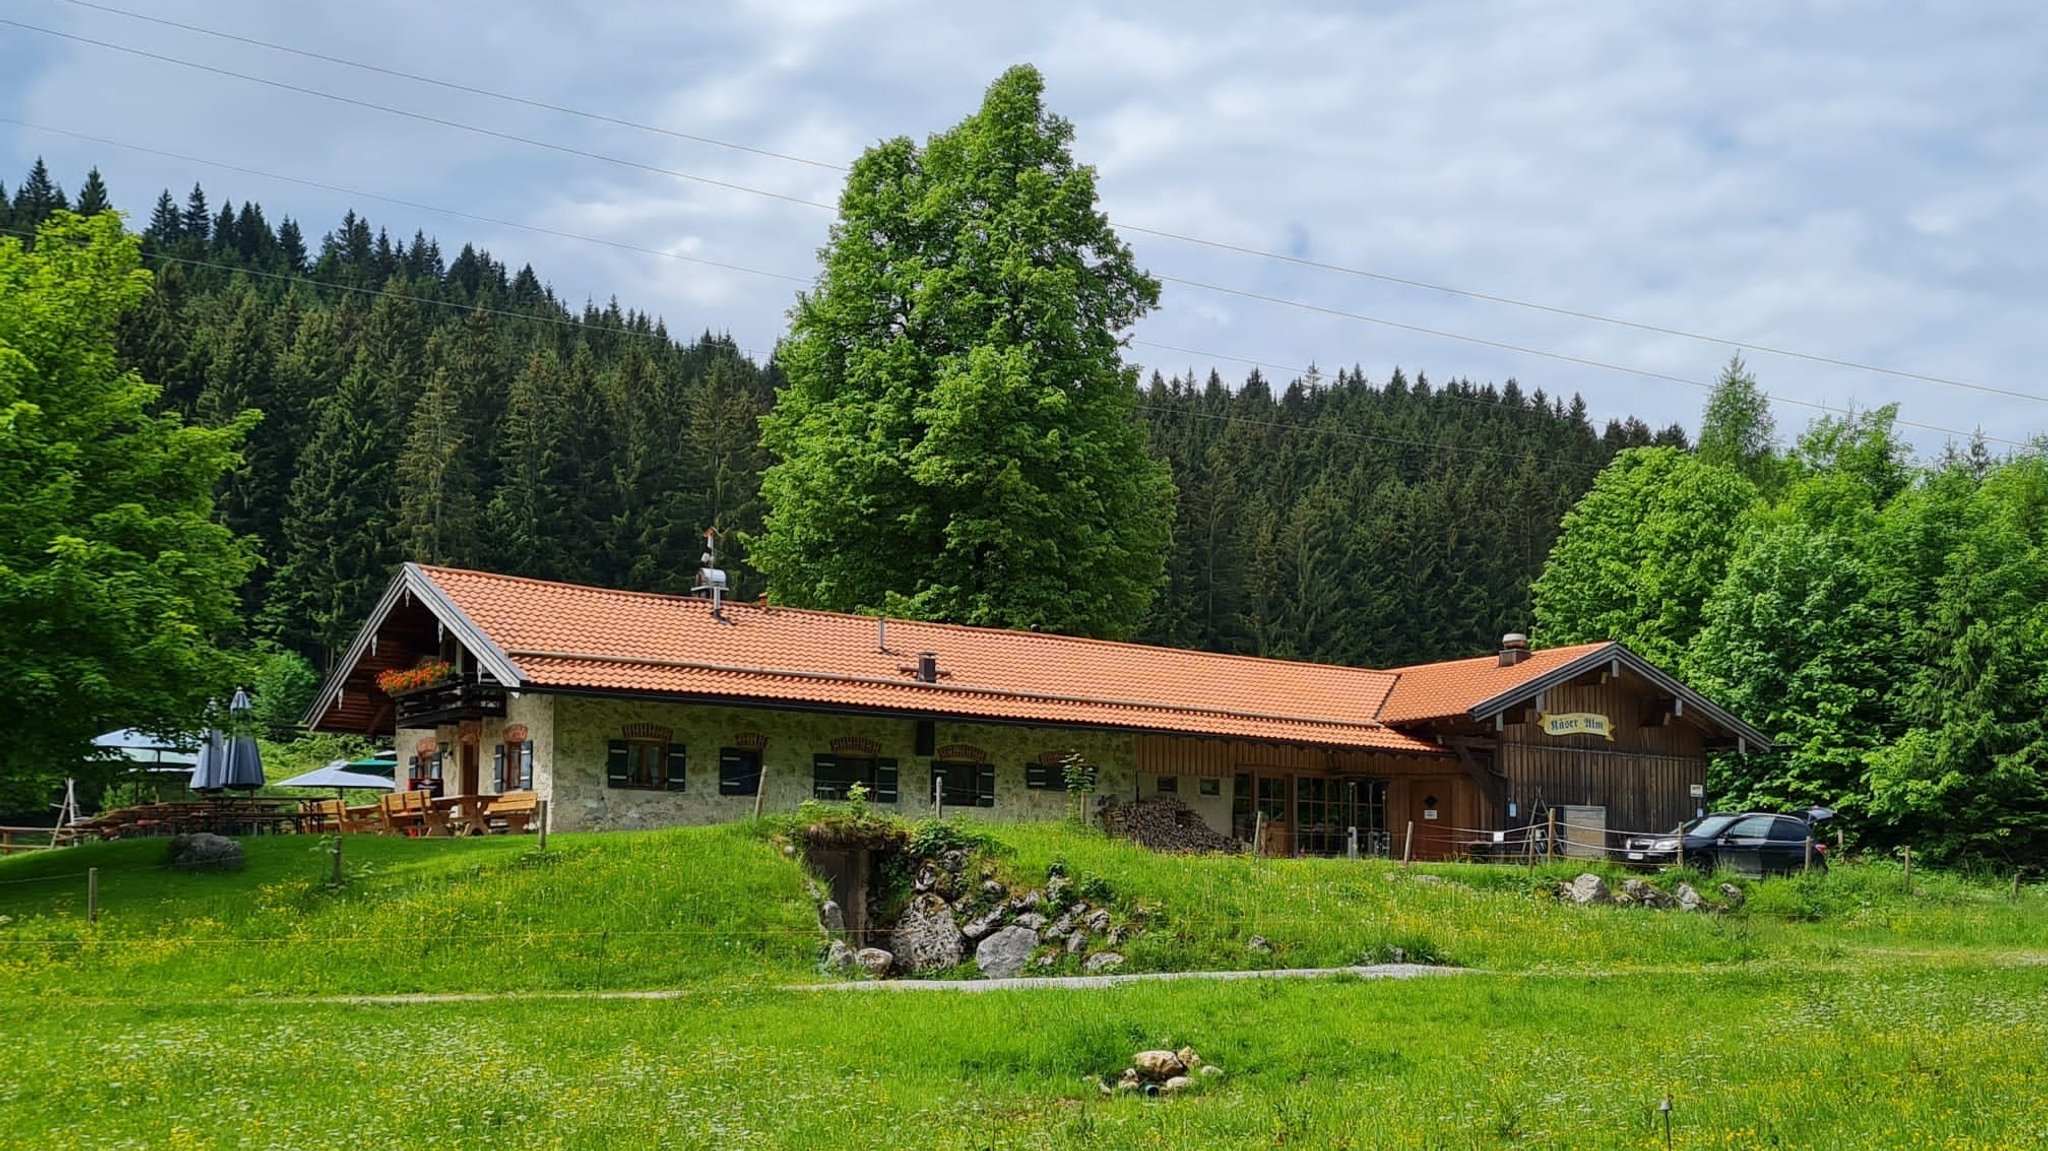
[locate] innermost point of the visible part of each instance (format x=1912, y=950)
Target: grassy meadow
x=1836, y=1011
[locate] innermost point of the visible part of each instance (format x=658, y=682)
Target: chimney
x=927, y=667
x=1514, y=648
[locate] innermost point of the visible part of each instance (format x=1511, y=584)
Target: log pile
x=1163, y=823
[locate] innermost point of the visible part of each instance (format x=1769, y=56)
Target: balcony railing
x=449, y=702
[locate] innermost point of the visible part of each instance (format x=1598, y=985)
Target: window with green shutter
x=832, y=775
x=739, y=771
x=646, y=765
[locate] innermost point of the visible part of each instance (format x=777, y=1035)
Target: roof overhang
x=412, y=583
x=1615, y=656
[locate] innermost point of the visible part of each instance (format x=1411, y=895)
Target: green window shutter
x=985, y=785
x=526, y=766
x=738, y=772
x=617, y=772
x=498, y=768
x=826, y=782
x=885, y=781
x=1044, y=777
x=678, y=767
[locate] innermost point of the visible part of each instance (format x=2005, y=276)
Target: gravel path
x=1375, y=971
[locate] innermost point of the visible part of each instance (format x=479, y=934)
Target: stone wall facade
x=570, y=768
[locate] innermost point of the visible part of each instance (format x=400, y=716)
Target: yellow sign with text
x=1577, y=723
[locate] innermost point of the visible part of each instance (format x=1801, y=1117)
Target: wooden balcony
x=449, y=703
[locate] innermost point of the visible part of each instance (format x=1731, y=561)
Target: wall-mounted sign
x=1699, y=791
x=1429, y=813
x=1577, y=723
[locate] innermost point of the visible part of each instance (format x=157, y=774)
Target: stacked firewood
x=1163, y=823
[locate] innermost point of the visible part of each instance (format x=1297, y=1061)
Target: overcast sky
x=1862, y=182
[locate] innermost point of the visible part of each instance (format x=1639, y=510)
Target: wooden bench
x=362, y=820
x=515, y=809
x=405, y=812
x=321, y=816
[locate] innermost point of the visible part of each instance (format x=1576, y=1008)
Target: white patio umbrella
x=338, y=776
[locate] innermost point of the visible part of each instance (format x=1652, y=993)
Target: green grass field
x=1834, y=1012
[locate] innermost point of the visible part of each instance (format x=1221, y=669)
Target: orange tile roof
x=1452, y=689
x=568, y=636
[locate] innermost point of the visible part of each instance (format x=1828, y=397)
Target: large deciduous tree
x=1639, y=556
x=116, y=583
x=956, y=440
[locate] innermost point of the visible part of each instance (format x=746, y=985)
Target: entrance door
x=1429, y=806
x=1262, y=795
x=469, y=769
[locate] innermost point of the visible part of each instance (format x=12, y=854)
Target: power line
x=1160, y=233
x=451, y=85
x=1564, y=357
x=461, y=214
x=424, y=117
x=635, y=164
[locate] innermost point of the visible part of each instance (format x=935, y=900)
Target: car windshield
x=1706, y=825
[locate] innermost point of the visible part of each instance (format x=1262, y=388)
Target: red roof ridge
x=960, y=688
x=968, y=628
x=1580, y=648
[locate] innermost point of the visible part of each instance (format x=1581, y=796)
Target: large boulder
x=1732, y=895
x=926, y=938
x=831, y=918
x=205, y=851
x=875, y=961
x=1690, y=899
x=1588, y=889
x=1003, y=954
x=839, y=957
x=1102, y=961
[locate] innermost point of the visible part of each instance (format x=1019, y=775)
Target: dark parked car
x=1751, y=843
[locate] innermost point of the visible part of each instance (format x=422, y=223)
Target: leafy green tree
x=1639, y=556
x=285, y=684
x=957, y=438
x=1737, y=430
x=1968, y=779
x=116, y=583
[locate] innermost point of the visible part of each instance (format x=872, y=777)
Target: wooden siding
x=1224, y=758
x=1643, y=778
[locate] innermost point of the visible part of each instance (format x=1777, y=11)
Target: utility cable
x=1160, y=233
x=635, y=164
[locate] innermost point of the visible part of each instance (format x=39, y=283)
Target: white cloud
x=1864, y=184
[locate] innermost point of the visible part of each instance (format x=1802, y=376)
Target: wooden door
x=469, y=770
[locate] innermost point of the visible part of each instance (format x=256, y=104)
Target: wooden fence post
x=1258, y=834
x=1408, y=844
x=760, y=784
x=336, y=852
x=1908, y=881
x=1550, y=839
x=540, y=812
x=92, y=895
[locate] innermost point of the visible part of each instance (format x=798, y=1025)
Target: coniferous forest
x=445, y=408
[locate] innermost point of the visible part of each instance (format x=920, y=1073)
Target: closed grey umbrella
x=208, y=770
x=242, y=770
x=229, y=760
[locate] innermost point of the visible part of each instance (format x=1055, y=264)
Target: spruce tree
x=92, y=195
x=37, y=198
x=437, y=492
x=166, y=225
x=197, y=223
x=291, y=245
